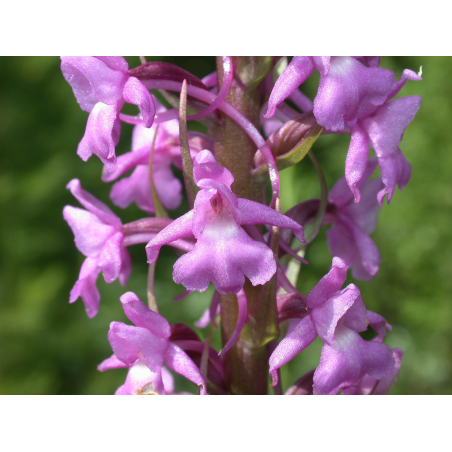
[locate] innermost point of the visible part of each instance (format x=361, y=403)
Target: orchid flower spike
x=224, y=253
x=101, y=86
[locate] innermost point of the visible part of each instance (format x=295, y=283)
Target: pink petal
x=348, y=359
x=178, y=229
x=327, y=316
x=329, y=284
x=85, y=287
x=178, y=361
x=101, y=134
x=296, y=341
x=95, y=79
x=298, y=71
x=91, y=203
x=252, y=212
x=136, y=93
x=142, y=316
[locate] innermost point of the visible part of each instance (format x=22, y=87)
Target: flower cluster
x=230, y=237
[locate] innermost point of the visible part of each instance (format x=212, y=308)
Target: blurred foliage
x=50, y=347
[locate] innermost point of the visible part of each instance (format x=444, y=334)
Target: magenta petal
x=252, y=212
x=126, y=162
x=110, y=258
x=126, y=265
x=296, y=341
x=407, y=74
x=348, y=241
x=386, y=382
x=205, y=166
x=225, y=260
x=111, y=363
x=130, y=343
x=348, y=359
x=329, y=284
x=136, y=93
x=356, y=161
x=100, y=134
x=365, y=213
x=95, y=79
x=90, y=233
x=346, y=88
x=179, y=228
x=395, y=169
x=379, y=324
x=326, y=317
x=135, y=188
x=299, y=69
x=341, y=196
x=85, y=287
x=142, y=316
x=178, y=361
x=386, y=127
x=91, y=203
x=167, y=185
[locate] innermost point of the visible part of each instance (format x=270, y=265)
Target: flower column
x=246, y=363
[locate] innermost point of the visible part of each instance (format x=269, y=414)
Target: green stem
x=246, y=364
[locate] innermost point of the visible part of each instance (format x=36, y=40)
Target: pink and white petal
x=91, y=203
x=347, y=361
x=225, y=260
x=136, y=93
x=132, y=342
x=143, y=317
x=297, y=340
x=89, y=232
x=141, y=381
x=297, y=72
x=178, y=229
x=178, y=361
x=100, y=135
x=329, y=284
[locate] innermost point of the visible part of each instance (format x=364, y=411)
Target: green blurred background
x=50, y=347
